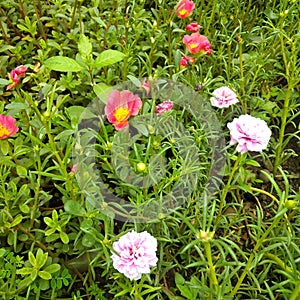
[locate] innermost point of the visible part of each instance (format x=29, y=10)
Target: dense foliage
x=194, y=172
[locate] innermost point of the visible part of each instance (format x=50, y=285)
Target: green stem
x=136, y=290
x=213, y=277
x=55, y=151
x=279, y=262
x=244, y=103
x=292, y=79
x=227, y=187
x=264, y=192
x=37, y=190
x=296, y=293
x=254, y=252
x=73, y=14
x=211, y=18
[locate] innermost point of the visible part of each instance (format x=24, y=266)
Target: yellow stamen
x=183, y=11
x=3, y=131
x=193, y=46
x=121, y=114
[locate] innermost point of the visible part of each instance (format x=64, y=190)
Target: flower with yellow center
x=121, y=114
x=183, y=12
x=3, y=131
x=7, y=126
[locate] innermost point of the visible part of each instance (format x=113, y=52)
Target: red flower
x=120, y=106
x=184, y=8
x=15, y=76
x=193, y=27
x=7, y=126
x=197, y=43
x=187, y=61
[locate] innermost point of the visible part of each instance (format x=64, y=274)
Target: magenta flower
x=184, y=8
x=15, y=76
x=223, y=97
x=193, y=27
x=197, y=43
x=250, y=133
x=136, y=254
x=7, y=126
x=187, y=61
x=120, y=106
x=163, y=107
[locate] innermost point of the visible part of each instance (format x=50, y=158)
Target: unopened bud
x=141, y=167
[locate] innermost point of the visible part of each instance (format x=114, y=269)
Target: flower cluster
x=7, y=126
x=15, y=75
x=135, y=254
x=250, y=133
x=195, y=43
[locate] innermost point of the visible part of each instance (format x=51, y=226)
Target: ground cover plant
x=149, y=149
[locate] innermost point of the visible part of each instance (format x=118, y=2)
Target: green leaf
x=2, y=252
x=102, y=91
x=21, y=171
x=26, y=282
x=4, y=146
x=85, y=47
x=63, y=64
x=86, y=225
x=107, y=58
x=49, y=222
x=25, y=271
x=54, y=216
x=17, y=220
x=64, y=237
x=15, y=108
x=252, y=162
x=4, y=81
x=74, y=208
x=24, y=208
x=41, y=258
x=88, y=241
x=45, y=275
x=74, y=113
x=52, y=268
x=32, y=259
x=135, y=81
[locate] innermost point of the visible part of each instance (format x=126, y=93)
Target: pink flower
x=250, y=133
x=15, y=76
x=146, y=85
x=74, y=168
x=193, y=27
x=136, y=254
x=120, y=106
x=184, y=8
x=197, y=43
x=187, y=61
x=7, y=126
x=223, y=97
x=163, y=107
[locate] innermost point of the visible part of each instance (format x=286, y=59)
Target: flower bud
x=290, y=204
x=206, y=236
x=46, y=114
x=141, y=167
